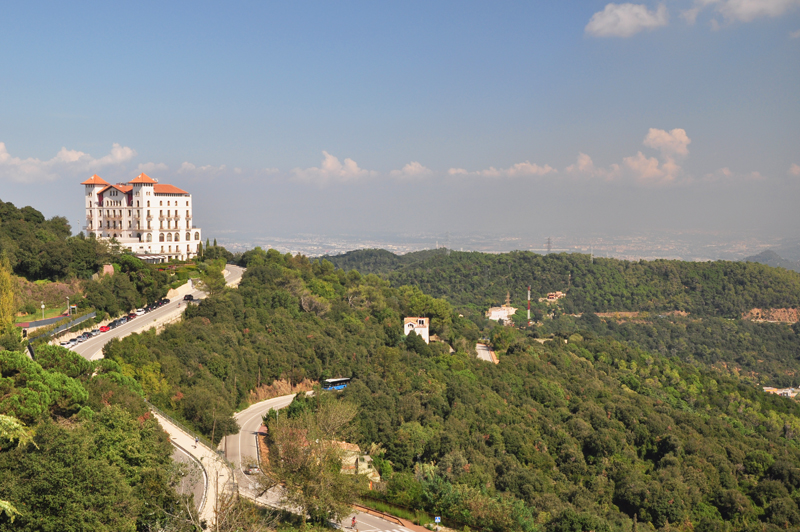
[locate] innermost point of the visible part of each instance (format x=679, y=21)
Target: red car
x=104, y=328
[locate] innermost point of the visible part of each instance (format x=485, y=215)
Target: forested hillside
x=44, y=249
x=79, y=449
x=480, y=280
x=590, y=434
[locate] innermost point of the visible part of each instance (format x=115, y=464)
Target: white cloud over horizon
x=412, y=170
x=795, y=169
x=32, y=170
x=518, y=170
x=626, y=20
x=332, y=171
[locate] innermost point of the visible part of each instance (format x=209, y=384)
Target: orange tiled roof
x=94, y=180
x=167, y=189
x=122, y=188
x=142, y=178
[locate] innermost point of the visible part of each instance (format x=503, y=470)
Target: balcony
x=149, y=217
x=162, y=217
x=188, y=216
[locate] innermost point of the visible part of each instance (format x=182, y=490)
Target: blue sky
x=537, y=115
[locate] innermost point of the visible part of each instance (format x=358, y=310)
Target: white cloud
x=756, y=176
x=795, y=35
x=518, y=170
x=747, y=10
x=640, y=168
x=670, y=143
x=740, y=10
x=412, y=170
x=65, y=161
x=722, y=173
x=189, y=168
x=650, y=171
x=690, y=15
x=332, y=170
x=585, y=167
x=151, y=168
x=625, y=20
x=795, y=170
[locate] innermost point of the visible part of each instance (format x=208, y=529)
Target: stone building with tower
x=147, y=217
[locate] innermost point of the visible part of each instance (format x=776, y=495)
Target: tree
x=7, y=307
x=13, y=429
x=306, y=457
x=213, y=282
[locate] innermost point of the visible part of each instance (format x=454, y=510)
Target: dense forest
x=592, y=430
x=86, y=453
x=480, y=280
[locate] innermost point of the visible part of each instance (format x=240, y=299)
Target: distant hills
x=770, y=258
x=592, y=284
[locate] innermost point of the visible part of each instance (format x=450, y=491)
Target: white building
x=501, y=313
x=420, y=326
x=144, y=216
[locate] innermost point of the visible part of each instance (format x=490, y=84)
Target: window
x=169, y=237
x=161, y=238
x=187, y=248
x=188, y=236
x=160, y=203
x=162, y=249
x=148, y=204
x=421, y=321
x=170, y=249
x=187, y=204
x=197, y=235
x=167, y=204
x=149, y=237
x=139, y=236
x=177, y=237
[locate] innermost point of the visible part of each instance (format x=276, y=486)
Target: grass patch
x=48, y=313
x=418, y=517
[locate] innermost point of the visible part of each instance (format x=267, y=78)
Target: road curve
x=92, y=349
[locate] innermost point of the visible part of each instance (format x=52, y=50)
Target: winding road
x=239, y=449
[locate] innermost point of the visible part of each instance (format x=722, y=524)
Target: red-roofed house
x=147, y=217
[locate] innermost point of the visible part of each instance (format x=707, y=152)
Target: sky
x=356, y=117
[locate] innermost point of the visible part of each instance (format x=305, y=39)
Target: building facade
x=144, y=216
x=419, y=325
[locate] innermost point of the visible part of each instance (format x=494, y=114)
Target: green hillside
x=479, y=280
x=590, y=434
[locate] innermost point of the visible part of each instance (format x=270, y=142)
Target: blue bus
x=335, y=384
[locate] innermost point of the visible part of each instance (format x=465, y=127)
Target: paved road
x=92, y=349
x=240, y=449
x=194, y=482
x=485, y=353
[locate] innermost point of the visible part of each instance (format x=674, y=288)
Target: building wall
x=144, y=221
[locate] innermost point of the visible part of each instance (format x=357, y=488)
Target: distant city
x=690, y=246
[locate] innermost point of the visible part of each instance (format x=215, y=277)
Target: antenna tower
x=549, y=245
x=447, y=244
x=529, y=302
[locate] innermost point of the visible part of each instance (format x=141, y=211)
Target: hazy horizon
x=524, y=119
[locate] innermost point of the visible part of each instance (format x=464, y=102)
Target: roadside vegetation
x=595, y=433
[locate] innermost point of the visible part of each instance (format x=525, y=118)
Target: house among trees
x=354, y=462
x=503, y=313
x=552, y=297
x=421, y=326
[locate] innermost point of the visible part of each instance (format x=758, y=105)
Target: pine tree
x=6, y=295
x=215, y=242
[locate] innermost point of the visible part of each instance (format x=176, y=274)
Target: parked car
x=72, y=343
x=131, y=316
x=251, y=470
x=165, y=300
x=65, y=343
x=188, y=297
x=105, y=328
x=140, y=311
